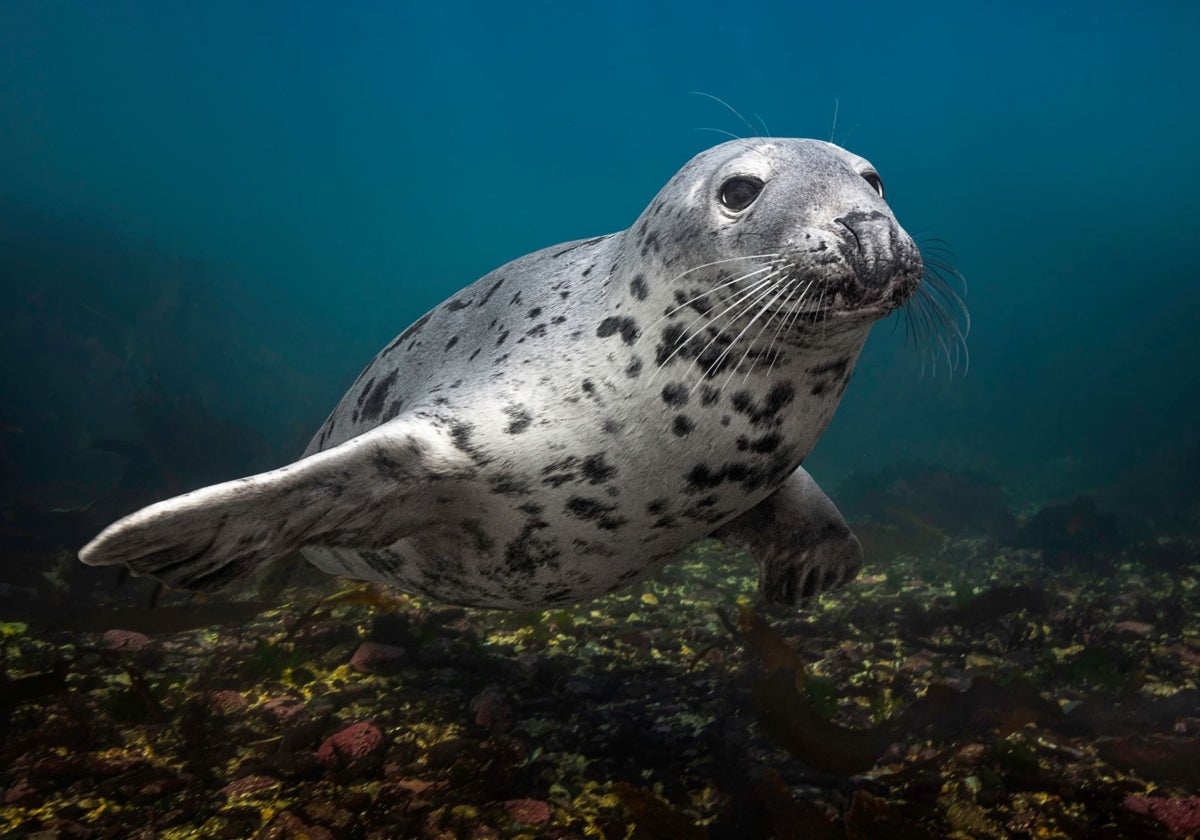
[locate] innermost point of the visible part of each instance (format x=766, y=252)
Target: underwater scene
x=638, y=421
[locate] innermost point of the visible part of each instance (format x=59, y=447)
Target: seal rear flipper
x=799, y=539
x=364, y=493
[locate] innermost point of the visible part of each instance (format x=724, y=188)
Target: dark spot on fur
x=515, y=299
x=451, y=342
x=455, y=305
x=703, y=510
x=372, y=405
x=634, y=367
x=638, y=286
x=503, y=337
x=460, y=436
x=702, y=477
x=682, y=427
x=533, y=313
x=491, y=291
x=657, y=506
x=612, y=427
x=767, y=443
x=409, y=333
x=672, y=337
x=779, y=397
x=769, y=471
x=589, y=387
x=519, y=419
x=473, y=355
x=479, y=538
x=507, y=484
x=560, y=472
x=389, y=468
x=675, y=394
x=536, y=332
x=393, y=410
x=709, y=395
x=594, y=510
x=597, y=470
x=529, y=552
x=627, y=327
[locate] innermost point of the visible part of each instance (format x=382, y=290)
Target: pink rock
x=283, y=708
x=129, y=641
x=377, y=658
x=531, y=811
x=490, y=709
x=227, y=701
x=249, y=786
x=1133, y=628
x=350, y=744
x=1181, y=815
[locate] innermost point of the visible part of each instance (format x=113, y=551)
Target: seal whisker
x=732, y=110
x=688, y=334
x=785, y=290
x=755, y=292
x=777, y=315
x=682, y=274
x=714, y=367
x=937, y=312
x=760, y=288
x=717, y=130
x=715, y=288
x=790, y=319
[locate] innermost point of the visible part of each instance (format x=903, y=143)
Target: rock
x=531, y=811
x=444, y=753
x=1133, y=628
x=351, y=744
x=282, y=708
x=1181, y=815
x=226, y=701
x=287, y=825
x=251, y=786
x=126, y=641
x=490, y=709
x=378, y=658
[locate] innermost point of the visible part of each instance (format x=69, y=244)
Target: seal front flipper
x=799, y=539
x=366, y=493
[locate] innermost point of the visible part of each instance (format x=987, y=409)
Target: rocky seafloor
x=963, y=690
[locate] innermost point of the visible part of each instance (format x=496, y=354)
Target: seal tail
x=351, y=495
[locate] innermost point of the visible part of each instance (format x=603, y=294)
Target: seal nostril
x=811, y=584
x=830, y=579
x=846, y=225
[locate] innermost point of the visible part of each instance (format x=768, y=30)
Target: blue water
x=245, y=201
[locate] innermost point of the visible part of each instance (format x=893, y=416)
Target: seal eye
x=872, y=178
x=739, y=192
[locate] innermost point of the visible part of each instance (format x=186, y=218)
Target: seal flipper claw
x=801, y=543
x=357, y=494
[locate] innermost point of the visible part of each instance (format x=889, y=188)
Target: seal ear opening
x=218, y=535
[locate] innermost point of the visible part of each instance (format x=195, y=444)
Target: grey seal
x=573, y=420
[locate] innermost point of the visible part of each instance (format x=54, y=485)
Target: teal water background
x=245, y=201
